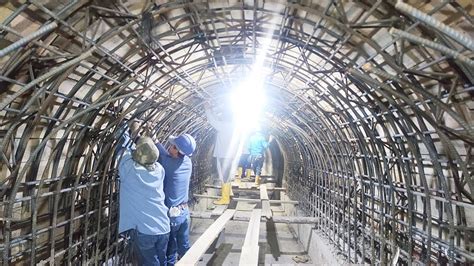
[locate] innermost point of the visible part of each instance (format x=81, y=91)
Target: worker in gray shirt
x=142, y=200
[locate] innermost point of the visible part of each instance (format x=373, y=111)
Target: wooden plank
x=266, y=210
x=253, y=230
x=245, y=206
x=204, y=242
x=263, y=192
x=250, y=188
x=249, y=255
x=294, y=202
x=276, y=219
x=219, y=210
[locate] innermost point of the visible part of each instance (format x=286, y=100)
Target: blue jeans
x=152, y=249
x=179, y=237
x=257, y=163
x=244, y=162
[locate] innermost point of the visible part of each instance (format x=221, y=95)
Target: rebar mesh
x=375, y=130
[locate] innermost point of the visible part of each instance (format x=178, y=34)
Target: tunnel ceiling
x=368, y=92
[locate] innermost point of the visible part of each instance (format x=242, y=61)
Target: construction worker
x=178, y=167
x=257, y=145
x=226, y=151
x=142, y=200
x=244, y=168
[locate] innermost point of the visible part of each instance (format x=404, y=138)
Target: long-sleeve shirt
x=177, y=177
x=142, y=199
x=228, y=140
x=258, y=144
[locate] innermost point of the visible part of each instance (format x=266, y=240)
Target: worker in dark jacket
x=142, y=200
x=178, y=167
x=244, y=169
x=258, y=145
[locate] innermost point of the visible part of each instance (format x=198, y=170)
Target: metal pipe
x=23, y=41
x=457, y=36
x=445, y=50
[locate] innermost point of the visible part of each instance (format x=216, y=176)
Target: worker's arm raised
x=124, y=154
x=162, y=149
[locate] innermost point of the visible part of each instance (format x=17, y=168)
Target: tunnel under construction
x=369, y=105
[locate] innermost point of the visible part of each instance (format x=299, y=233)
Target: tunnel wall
x=370, y=104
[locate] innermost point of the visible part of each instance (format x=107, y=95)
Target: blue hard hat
x=185, y=143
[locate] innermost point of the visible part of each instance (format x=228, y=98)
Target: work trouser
x=257, y=163
x=226, y=168
x=152, y=249
x=179, y=237
x=244, y=162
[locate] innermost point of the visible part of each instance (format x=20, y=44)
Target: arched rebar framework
x=371, y=107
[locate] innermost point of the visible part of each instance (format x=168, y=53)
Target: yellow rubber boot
x=225, y=197
x=257, y=180
x=248, y=173
x=239, y=172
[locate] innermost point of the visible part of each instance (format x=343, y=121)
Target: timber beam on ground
x=249, y=189
x=266, y=209
x=294, y=202
x=219, y=210
x=249, y=255
x=276, y=219
x=199, y=247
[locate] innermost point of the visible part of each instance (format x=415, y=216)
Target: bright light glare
x=248, y=101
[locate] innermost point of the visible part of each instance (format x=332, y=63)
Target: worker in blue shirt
x=257, y=146
x=244, y=167
x=142, y=200
x=178, y=167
